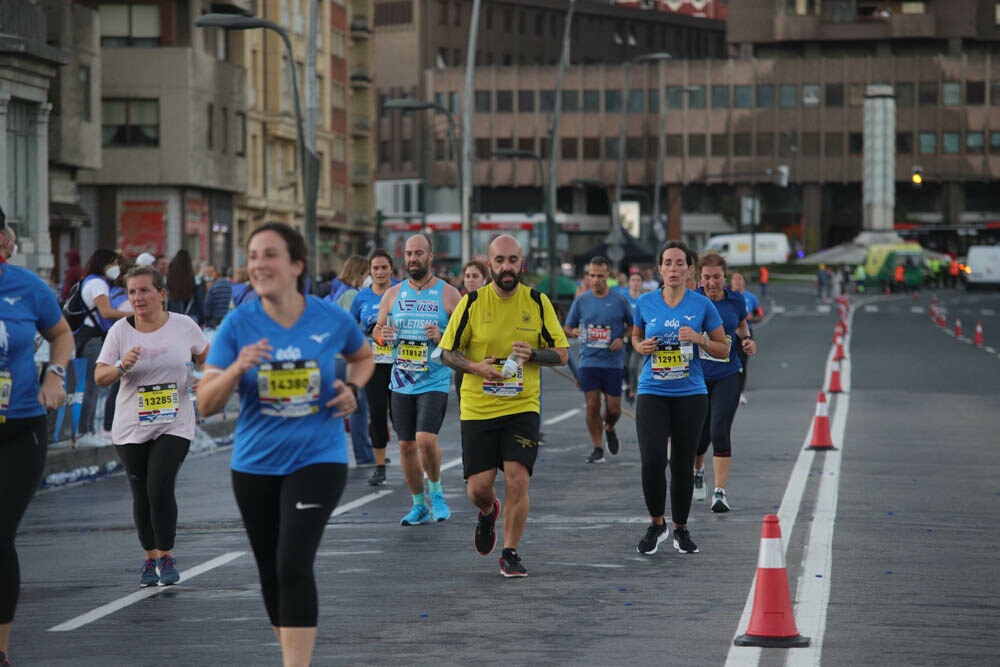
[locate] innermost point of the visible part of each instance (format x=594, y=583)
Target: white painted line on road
x=778, y=310
x=917, y=309
x=368, y=552
x=990, y=349
x=562, y=417
x=871, y=309
x=358, y=502
x=142, y=594
x=823, y=309
x=988, y=312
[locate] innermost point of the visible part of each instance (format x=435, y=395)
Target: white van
x=983, y=266
x=735, y=248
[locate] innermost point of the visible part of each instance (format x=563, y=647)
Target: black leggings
x=152, y=473
x=377, y=391
x=284, y=518
x=680, y=418
x=22, y=461
x=723, y=399
x=743, y=374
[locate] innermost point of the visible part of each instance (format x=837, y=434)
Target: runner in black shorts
x=500, y=421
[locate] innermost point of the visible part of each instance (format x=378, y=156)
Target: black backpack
x=75, y=310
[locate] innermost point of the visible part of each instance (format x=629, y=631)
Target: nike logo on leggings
x=303, y=506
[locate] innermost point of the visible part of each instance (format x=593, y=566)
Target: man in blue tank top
x=412, y=317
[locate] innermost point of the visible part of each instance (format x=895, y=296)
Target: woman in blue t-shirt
x=670, y=325
x=27, y=305
x=289, y=463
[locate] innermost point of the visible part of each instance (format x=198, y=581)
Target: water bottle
x=390, y=338
x=511, y=365
x=687, y=351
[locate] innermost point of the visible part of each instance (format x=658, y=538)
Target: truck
x=982, y=267
x=772, y=248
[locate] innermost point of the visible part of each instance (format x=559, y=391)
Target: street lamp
x=408, y=104
x=620, y=169
x=308, y=159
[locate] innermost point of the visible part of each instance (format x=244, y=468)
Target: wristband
x=356, y=389
x=59, y=370
x=120, y=367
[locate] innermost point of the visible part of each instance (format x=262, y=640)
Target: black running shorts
x=487, y=443
x=417, y=413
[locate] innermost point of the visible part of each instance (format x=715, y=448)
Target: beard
x=418, y=273
x=507, y=280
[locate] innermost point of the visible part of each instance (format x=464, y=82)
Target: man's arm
x=552, y=356
x=455, y=359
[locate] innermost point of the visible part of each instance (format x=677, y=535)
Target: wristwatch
x=59, y=370
x=356, y=389
x=120, y=368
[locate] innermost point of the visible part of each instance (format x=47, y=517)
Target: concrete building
x=173, y=132
x=28, y=69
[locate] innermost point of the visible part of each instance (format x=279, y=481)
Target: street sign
x=749, y=211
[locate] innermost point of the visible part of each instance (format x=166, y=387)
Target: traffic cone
x=933, y=299
x=835, y=387
x=916, y=295
x=838, y=330
x=843, y=325
x=839, y=354
x=958, y=327
x=821, y=425
x=772, y=622
x=977, y=340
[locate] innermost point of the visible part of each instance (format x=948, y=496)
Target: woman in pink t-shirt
x=154, y=418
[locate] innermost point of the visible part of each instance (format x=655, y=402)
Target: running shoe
x=511, y=565
x=441, y=510
x=719, y=504
x=656, y=533
x=699, y=484
x=596, y=456
x=168, y=571
x=743, y=399
x=4, y=662
x=417, y=515
x=613, y=445
x=378, y=477
x=148, y=575
x=683, y=543
x=486, y=535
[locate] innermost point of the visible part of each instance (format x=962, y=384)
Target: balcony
x=838, y=24
x=361, y=125
x=361, y=174
x=361, y=27
x=244, y=7
x=361, y=77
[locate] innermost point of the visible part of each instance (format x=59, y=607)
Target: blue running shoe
x=168, y=571
x=147, y=575
x=417, y=515
x=441, y=510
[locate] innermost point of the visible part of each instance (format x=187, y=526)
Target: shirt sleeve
x=46, y=307
x=573, y=317
x=640, y=321
x=111, y=349
x=356, y=309
x=626, y=312
x=448, y=341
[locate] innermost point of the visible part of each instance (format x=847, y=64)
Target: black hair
x=382, y=252
x=690, y=257
x=297, y=250
x=101, y=258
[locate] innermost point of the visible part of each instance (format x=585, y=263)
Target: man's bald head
x=506, y=262
x=418, y=254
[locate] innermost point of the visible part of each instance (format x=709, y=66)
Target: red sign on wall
x=142, y=227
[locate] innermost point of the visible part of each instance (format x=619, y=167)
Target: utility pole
x=466, y=191
x=550, y=210
x=310, y=175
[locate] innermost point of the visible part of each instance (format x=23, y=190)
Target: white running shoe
x=743, y=399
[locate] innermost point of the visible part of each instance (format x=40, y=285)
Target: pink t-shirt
x=158, y=380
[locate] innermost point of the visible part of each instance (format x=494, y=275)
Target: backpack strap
x=464, y=321
x=546, y=335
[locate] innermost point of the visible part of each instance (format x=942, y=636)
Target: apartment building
x=173, y=131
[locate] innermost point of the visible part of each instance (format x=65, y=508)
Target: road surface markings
x=871, y=309
x=917, y=309
x=121, y=603
x=358, y=502
x=561, y=417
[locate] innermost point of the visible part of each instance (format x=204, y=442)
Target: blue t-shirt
x=364, y=308
x=288, y=426
x=417, y=369
x=602, y=320
x=751, y=301
x=673, y=370
x=733, y=310
x=27, y=305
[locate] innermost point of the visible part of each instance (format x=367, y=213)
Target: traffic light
x=783, y=175
x=917, y=176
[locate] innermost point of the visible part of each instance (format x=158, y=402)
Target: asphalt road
x=890, y=539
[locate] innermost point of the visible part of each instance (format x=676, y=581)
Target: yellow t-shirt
x=488, y=328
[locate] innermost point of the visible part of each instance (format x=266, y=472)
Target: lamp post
x=512, y=154
x=308, y=159
x=465, y=189
x=421, y=105
x=620, y=167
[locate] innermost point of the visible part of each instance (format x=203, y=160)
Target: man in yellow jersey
x=502, y=321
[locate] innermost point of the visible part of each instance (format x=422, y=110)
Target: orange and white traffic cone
x=933, y=299
x=835, y=386
x=958, y=327
x=839, y=355
x=843, y=325
x=772, y=622
x=838, y=330
x=977, y=340
x=821, y=425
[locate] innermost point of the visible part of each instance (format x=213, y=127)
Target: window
x=741, y=144
x=406, y=150
x=928, y=143
x=834, y=144
x=788, y=143
x=995, y=142
x=856, y=95
x=484, y=101
x=973, y=142
x=522, y=22
x=742, y=97
x=339, y=153
x=927, y=94
x=765, y=96
x=611, y=147
x=338, y=95
x=130, y=123
x=788, y=96
x=951, y=93
x=570, y=100
x=591, y=148
x=951, y=142
x=810, y=95
x=130, y=25
x=443, y=12
x=635, y=148
x=539, y=24
x=765, y=145
x=85, y=96
x=675, y=97
x=546, y=100
x=696, y=145
x=855, y=143
x=458, y=14
x=720, y=145
x=505, y=101
x=526, y=101
x=720, y=97
x=975, y=93
x=224, y=131
x=210, y=128
x=592, y=101
x=809, y=144
x=526, y=144
x=484, y=149
x=696, y=97
x=904, y=143
x=505, y=143
x=569, y=148
x=612, y=101
x=675, y=145
x=653, y=95
x=508, y=20
x=390, y=13
x=544, y=147
x=904, y=95
x=636, y=101
x=834, y=96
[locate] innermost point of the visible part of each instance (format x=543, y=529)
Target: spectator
x=182, y=297
x=218, y=298
x=73, y=273
x=242, y=291
x=145, y=259
x=162, y=264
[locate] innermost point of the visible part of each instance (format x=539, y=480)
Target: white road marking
x=871, y=309
x=363, y=500
x=988, y=312
x=823, y=308
x=366, y=552
x=917, y=309
x=121, y=603
x=562, y=417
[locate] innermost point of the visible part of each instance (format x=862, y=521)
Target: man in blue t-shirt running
x=601, y=318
